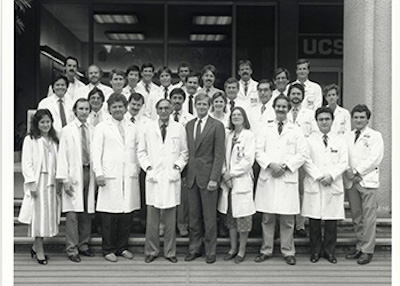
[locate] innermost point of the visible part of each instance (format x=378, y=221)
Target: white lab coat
x=365, y=156
x=305, y=120
x=116, y=160
x=279, y=195
x=84, y=91
x=150, y=98
x=324, y=202
x=259, y=120
x=239, y=163
x=163, y=182
x=251, y=98
x=70, y=168
x=312, y=94
x=342, y=121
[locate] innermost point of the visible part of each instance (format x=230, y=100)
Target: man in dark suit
x=206, y=142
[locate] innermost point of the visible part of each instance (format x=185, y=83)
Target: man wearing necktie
x=326, y=161
x=165, y=76
x=162, y=153
x=208, y=75
x=206, y=142
x=191, y=88
x=231, y=87
x=362, y=181
x=280, y=151
x=98, y=113
x=132, y=76
x=117, y=175
x=247, y=85
x=281, y=81
x=74, y=169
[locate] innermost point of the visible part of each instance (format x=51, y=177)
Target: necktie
x=198, y=130
x=85, y=146
x=295, y=113
x=191, y=104
x=232, y=103
x=166, y=92
x=208, y=91
x=133, y=120
x=263, y=108
x=176, y=117
x=325, y=140
x=358, y=132
x=121, y=131
x=132, y=90
x=246, y=87
x=163, y=131
x=280, y=125
x=62, y=113
x=147, y=87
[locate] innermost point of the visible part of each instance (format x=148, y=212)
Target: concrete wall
x=367, y=74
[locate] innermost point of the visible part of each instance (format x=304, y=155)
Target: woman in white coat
x=40, y=207
x=236, y=199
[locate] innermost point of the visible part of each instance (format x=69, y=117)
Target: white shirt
x=84, y=91
x=276, y=92
x=150, y=98
x=100, y=116
x=251, y=98
x=312, y=94
x=72, y=91
x=203, y=123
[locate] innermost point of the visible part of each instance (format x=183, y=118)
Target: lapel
x=203, y=134
x=190, y=134
x=115, y=130
x=76, y=138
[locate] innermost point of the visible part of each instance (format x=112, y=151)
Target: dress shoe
x=42, y=261
x=172, y=259
x=314, y=258
x=150, y=258
x=183, y=232
x=127, y=254
x=330, y=257
x=33, y=254
x=239, y=259
x=87, y=252
x=229, y=256
x=365, y=258
x=74, y=258
x=111, y=257
x=210, y=259
x=192, y=256
x=300, y=233
x=291, y=260
x=262, y=257
x=354, y=255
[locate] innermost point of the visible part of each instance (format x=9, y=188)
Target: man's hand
x=212, y=185
x=277, y=170
x=101, y=181
x=357, y=178
x=325, y=180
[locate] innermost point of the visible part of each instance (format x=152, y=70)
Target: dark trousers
x=202, y=220
x=116, y=228
x=328, y=244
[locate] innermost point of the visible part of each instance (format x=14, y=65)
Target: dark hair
x=183, y=65
x=115, y=97
x=202, y=96
x=147, y=65
x=76, y=104
x=136, y=96
x=58, y=77
x=329, y=87
x=132, y=68
x=117, y=72
x=246, y=123
x=161, y=100
x=284, y=97
x=303, y=61
x=215, y=96
x=164, y=69
x=177, y=90
x=245, y=62
x=361, y=108
x=270, y=82
x=193, y=74
x=71, y=58
x=210, y=68
x=281, y=70
x=232, y=80
x=98, y=91
x=34, y=131
x=324, y=109
x=298, y=86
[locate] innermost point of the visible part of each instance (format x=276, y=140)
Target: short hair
x=34, y=131
x=270, y=82
x=117, y=72
x=329, y=87
x=298, y=86
x=202, y=96
x=215, y=96
x=177, y=90
x=76, y=104
x=246, y=123
x=324, y=109
x=231, y=80
x=136, y=96
x=281, y=70
x=210, y=68
x=71, y=58
x=164, y=69
x=147, y=65
x=361, y=108
x=99, y=68
x=58, y=77
x=303, y=61
x=98, y=91
x=161, y=100
x=183, y=65
x=284, y=97
x=115, y=97
x=193, y=74
x=134, y=68
x=245, y=62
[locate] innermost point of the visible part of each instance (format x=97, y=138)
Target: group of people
x=188, y=152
